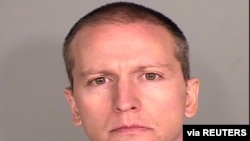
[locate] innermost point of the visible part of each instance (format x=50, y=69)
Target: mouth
x=133, y=129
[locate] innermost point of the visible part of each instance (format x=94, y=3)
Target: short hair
x=126, y=13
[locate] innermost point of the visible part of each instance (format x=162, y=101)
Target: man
x=129, y=73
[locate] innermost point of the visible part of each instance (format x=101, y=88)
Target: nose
x=126, y=98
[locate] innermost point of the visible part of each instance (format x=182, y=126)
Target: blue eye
x=151, y=76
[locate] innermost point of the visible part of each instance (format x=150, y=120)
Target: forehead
x=122, y=47
x=122, y=33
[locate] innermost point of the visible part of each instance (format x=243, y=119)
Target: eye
x=151, y=76
x=99, y=81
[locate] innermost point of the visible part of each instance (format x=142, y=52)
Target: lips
x=132, y=129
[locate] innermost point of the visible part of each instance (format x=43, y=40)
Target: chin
x=132, y=138
x=135, y=137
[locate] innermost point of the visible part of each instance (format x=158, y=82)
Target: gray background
x=32, y=74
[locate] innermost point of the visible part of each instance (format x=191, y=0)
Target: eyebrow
x=144, y=67
x=93, y=71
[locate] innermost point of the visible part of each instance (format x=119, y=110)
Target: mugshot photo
x=122, y=70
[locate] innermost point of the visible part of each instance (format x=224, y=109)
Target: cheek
x=167, y=102
x=169, y=96
x=165, y=108
x=93, y=111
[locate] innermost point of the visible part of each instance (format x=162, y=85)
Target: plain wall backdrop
x=33, y=76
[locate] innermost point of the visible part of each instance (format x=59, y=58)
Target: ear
x=74, y=109
x=192, y=92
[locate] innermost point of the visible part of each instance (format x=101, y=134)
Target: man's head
x=125, y=13
x=129, y=74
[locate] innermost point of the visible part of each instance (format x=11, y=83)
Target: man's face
x=128, y=84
